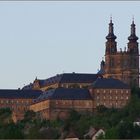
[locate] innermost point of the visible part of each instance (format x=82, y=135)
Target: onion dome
x=133, y=36
x=111, y=35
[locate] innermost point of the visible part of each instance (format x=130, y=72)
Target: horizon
x=43, y=39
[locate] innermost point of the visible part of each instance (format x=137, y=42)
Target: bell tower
x=133, y=51
x=111, y=43
x=111, y=50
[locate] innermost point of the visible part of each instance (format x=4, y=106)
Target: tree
x=11, y=131
x=125, y=130
x=29, y=115
x=111, y=133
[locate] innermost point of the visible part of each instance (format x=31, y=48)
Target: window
x=97, y=91
x=116, y=97
x=110, y=91
x=126, y=91
x=112, y=62
x=116, y=91
x=121, y=91
x=110, y=97
x=127, y=97
x=87, y=103
x=104, y=97
x=104, y=91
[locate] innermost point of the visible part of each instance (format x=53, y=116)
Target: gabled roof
x=109, y=83
x=19, y=94
x=65, y=94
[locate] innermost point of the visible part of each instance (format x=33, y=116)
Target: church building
x=122, y=65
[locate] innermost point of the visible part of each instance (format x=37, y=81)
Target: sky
x=43, y=38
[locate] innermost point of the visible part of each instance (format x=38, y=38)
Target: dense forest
x=117, y=123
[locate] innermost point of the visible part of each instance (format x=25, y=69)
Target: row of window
x=73, y=86
x=110, y=91
x=110, y=97
x=73, y=103
x=111, y=104
x=14, y=101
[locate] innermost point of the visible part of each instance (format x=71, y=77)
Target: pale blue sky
x=46, y=38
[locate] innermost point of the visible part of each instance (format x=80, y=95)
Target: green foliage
x=5, y=116
x=33, y=133
x=5, y=110
x=111, y=133
x=101, y=109
x=29, y=115
x=11, y=131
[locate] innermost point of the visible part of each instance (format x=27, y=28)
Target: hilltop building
x=122, y=65
x=56, y=96
x=58, y=102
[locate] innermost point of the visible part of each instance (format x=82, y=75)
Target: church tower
x=133, y=51
x=110, y=52
x=122, y=65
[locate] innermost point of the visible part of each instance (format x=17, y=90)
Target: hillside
x=117, y=123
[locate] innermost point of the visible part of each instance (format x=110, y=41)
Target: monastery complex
x=54, y=97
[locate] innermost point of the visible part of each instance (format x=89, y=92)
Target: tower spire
x=133, y=19
x=133, y=36
x=111, y=45
x=111, y=18
x=111, y=30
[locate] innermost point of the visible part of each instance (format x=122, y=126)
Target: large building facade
x=122, y=65
x=18, y=101
x=57, y=103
